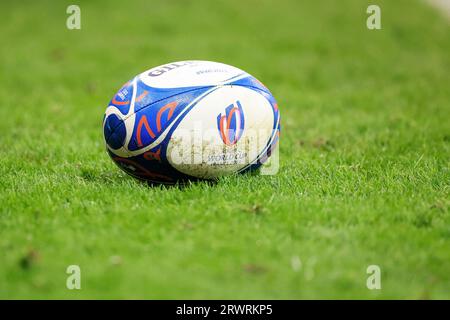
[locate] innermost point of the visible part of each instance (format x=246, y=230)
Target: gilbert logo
x=231, y=124
x=167, y=67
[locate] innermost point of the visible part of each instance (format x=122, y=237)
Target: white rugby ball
x=191, y=120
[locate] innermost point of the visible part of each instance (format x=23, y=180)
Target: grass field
x=364, y=152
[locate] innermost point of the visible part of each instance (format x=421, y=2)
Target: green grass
x=364, y=153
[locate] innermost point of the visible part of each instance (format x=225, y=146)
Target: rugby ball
x=191, y=120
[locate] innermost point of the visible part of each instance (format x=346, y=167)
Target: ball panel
x=223, y=133
x=193, y=73
x=114, y=131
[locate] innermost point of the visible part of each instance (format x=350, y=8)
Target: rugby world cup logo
x=231, y=124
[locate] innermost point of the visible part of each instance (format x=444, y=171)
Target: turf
x=364, y=154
